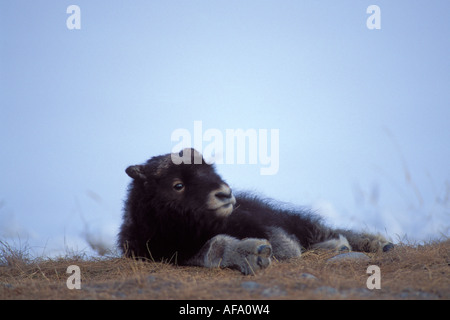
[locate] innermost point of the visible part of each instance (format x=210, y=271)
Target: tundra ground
x=406, y=272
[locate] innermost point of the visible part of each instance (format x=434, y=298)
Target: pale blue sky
x=355, y=107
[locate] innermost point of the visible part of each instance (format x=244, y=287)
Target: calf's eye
x=179, y=186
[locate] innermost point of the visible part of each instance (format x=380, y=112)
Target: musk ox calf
x=187, y=214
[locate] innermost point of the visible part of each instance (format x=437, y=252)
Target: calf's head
x=183, y=181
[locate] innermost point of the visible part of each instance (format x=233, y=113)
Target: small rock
x=361, y=292
x=388, y=247
x=350, y=255
x=120, y=294
x=308, y=276
x=326, y=290
x=273, y=292
x=250, y=285
x=417, y=294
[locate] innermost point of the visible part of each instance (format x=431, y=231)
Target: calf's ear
x=136, y=172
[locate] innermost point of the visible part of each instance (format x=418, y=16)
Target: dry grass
x=407, y=272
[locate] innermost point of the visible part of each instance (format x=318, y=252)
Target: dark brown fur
x=161, y=222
